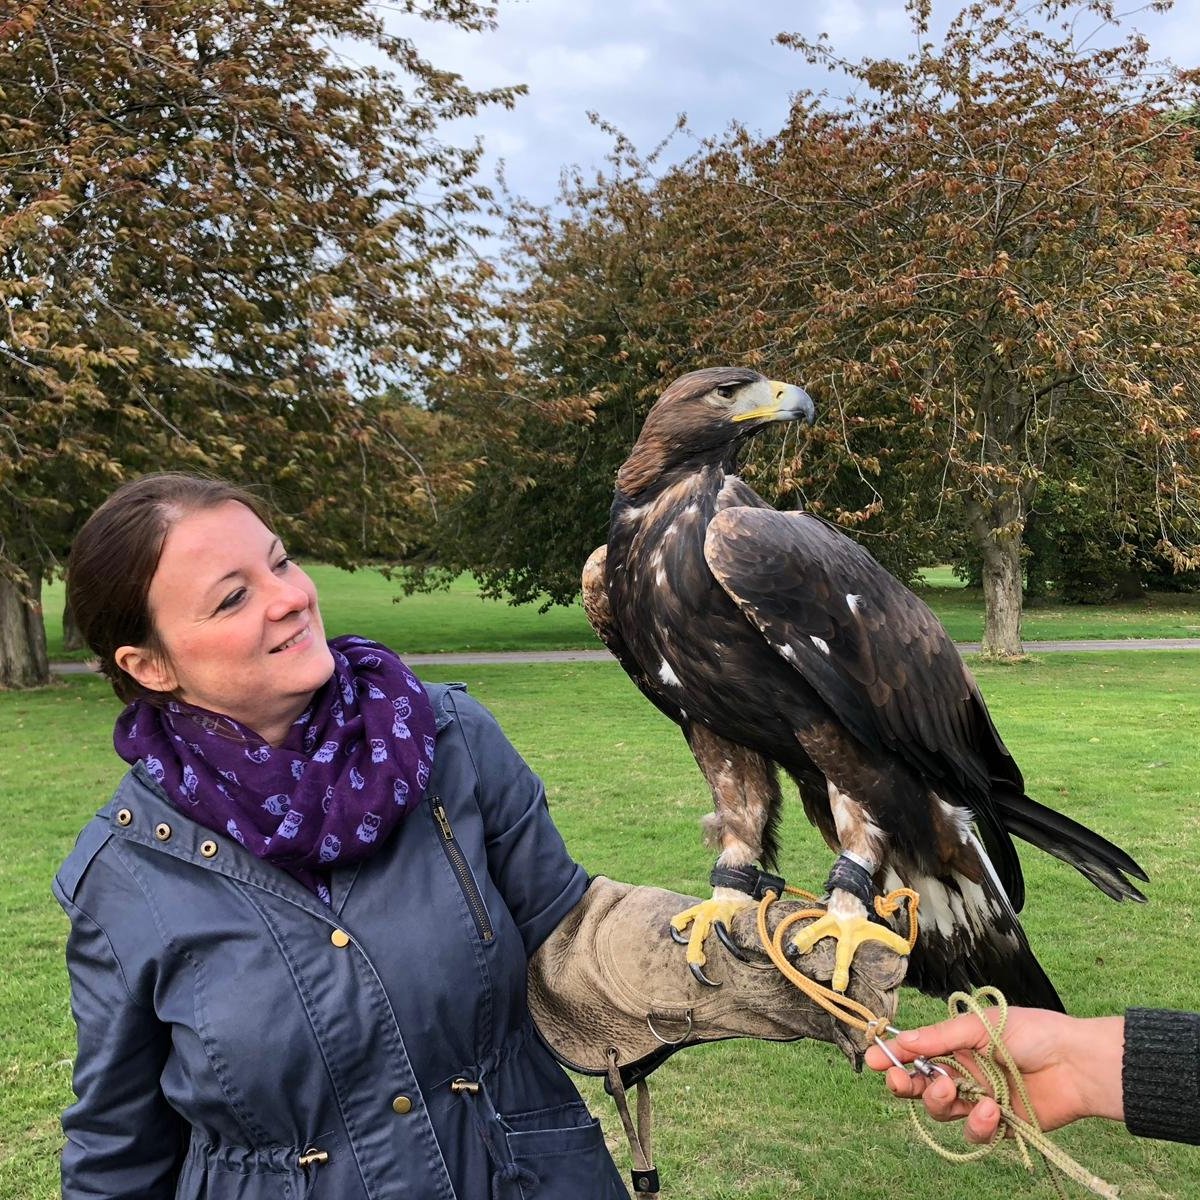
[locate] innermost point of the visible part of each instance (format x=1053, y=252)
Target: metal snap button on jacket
x=124, y=817
x=401, y=1105
x=208, y=849
x=162, y=831
x=340, y=938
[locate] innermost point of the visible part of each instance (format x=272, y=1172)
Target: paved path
x=483, y=657
x=531, y=656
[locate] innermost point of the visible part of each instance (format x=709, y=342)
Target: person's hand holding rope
x=1071, y=1067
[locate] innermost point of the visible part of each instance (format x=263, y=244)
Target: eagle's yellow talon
x=850, y=933
x=702, y=917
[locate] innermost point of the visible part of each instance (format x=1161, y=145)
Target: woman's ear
x=151, y=670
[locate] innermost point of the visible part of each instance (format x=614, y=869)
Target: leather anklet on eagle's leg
x=848, y=918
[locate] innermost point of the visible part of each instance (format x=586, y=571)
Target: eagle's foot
x=703, y=916
x=850, y=929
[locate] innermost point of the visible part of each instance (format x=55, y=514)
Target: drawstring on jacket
x=310, y=1160
x=491, y=1129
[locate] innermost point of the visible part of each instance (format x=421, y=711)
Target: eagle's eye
x=726, y=390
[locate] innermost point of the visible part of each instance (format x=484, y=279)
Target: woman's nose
x=287, y=599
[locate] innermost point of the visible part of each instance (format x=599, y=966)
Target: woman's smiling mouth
x=294, y=640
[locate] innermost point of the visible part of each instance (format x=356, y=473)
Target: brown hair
x=114, y=557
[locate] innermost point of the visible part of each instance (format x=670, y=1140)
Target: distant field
x=940, y=577
x=1113, y=739
x=367, y=603
x=364, y=602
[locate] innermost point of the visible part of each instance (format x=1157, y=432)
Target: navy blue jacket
x=238, y=1040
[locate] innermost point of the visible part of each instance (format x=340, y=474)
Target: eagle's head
x=703, y=417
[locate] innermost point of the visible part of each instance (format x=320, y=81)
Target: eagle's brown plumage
x=774, y=641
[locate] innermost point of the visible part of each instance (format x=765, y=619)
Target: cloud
x=842, y=20
x=567, y=70
x=640, y=62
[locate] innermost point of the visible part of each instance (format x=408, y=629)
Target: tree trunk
x=72, y=638
x=999, y=525
x=1002, y=596
x=23, y=660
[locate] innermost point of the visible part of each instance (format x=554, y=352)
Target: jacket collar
x=140, y=812
x=440, y=696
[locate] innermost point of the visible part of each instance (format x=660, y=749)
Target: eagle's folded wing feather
x=599, y=614
x=873, y=651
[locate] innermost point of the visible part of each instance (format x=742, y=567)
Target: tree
x=225, y=246
x=575, y=377
x=980, y=266
x=1014, y=255
x=633, y=285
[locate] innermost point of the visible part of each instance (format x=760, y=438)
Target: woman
x=299, y=930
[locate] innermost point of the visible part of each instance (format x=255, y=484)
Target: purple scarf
x=353, y=763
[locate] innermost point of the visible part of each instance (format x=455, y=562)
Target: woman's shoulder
x=453, y=704
x=93, y=846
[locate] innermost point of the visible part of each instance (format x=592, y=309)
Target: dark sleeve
x=527, y=859
x=123, y=1138
x=1160, y=1075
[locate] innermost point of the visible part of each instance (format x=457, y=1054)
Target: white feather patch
x=852, y=601
x=972, y=914
x=991, y=870
x=820, y=643
x=667, y=675
x=851, y=818
x=962, y=822
x=959, y=819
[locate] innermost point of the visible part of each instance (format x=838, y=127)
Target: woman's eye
x=283, y=564
x=232, y=600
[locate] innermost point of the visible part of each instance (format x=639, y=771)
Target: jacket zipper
x=459, y=864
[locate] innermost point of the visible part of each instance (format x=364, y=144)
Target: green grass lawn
x=1110, y=738
x=459, y=619
x=366, y=603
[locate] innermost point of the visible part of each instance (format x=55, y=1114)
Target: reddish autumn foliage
x=983, y=266
x=220, y=240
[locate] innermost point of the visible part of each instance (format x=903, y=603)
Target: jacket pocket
x=462, y=870
x=563, y=1149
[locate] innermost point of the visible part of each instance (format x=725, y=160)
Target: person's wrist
x=1096, y=1050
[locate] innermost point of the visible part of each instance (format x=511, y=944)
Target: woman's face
x=239, y=622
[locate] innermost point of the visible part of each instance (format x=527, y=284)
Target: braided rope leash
x=995, y=1062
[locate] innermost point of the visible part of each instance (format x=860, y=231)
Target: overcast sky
x=638, y=63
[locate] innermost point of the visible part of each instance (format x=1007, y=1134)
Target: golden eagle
x=774, y=641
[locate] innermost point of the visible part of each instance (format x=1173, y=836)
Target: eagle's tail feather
x=970, y=937
x=1098, y=859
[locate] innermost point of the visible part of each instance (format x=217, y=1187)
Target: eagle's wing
x=873, y=651
x=599, y=614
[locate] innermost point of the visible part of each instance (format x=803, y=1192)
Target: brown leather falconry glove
x=611, y=994
x=611, y=976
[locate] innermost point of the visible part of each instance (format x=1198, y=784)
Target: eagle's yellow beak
x=771, y=400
